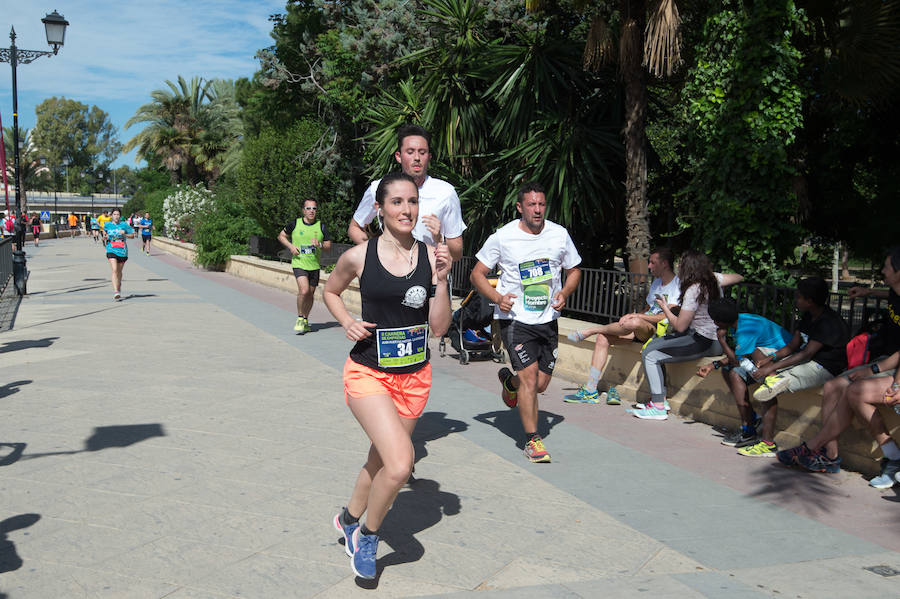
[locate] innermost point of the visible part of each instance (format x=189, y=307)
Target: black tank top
x=399, y=306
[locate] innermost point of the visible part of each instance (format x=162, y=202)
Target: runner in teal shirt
x=116, y=249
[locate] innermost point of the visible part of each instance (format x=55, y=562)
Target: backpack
x=9, y=224
x=859, y=350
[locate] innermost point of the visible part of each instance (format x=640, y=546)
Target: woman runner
x=387, y=377
x=115, y=233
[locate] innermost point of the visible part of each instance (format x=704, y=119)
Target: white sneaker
x=643, y=406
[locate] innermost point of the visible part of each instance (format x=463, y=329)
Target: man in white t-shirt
x=532, y=254
x=440, y=214
x=637, y=326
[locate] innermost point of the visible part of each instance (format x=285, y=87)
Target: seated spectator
x=858, y=391
x=861, y=398
x=692, y=333
x=637, y=326
x=754, y=338
x=816, y=354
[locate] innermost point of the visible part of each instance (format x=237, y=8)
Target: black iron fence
x=607, y=295
x=6, y=261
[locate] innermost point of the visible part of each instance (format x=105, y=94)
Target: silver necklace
x=401, y=250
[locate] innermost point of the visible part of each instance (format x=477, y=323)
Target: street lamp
x=65, y=164
x=55, y=27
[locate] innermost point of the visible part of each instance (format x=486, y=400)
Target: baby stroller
x=467, y=331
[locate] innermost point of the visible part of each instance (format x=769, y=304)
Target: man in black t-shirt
x=800, y=366
x=858, y=392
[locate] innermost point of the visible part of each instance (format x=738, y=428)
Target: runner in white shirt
x=532, y=254
x=439, y=209
x=637, y=326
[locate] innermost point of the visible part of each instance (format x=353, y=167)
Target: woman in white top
x=692, y=333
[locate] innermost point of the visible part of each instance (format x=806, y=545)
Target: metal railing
x=607, y=295
x=6, y=261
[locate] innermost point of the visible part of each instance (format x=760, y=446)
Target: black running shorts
x=311, y=275
x=530, y=343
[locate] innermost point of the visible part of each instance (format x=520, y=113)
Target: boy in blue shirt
x=754, y=338
x=146, y=224
x=115, y=231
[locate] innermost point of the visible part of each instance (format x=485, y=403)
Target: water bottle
x=748, y=365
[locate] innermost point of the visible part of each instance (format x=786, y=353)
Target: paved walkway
x=184, y=443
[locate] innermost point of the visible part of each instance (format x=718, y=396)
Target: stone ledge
x=704, y=400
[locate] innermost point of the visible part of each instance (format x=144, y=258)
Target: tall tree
x=83, y=134
x=33, y=174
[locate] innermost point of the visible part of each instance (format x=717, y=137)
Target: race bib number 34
x=401, y=347
x=535, y=271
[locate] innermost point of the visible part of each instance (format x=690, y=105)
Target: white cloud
x=116, y=53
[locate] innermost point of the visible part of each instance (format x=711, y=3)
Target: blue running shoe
x=347, y=531
x=819, y=462
x=363, y=560
x=612, y=397
x=583, y=396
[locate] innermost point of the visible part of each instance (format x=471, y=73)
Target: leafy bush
x=744, y=109
x=280, y=168
x=181, y=206
x=223, y=228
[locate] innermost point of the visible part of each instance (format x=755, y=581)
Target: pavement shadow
x=106, y=437
x=9, y=557
x=74, y=316
x=415, y=509
x=13, y=387
x=138, y=295
x=432, y=426
x=779, y=484
x=27, y=344
x=13, y=456
x=65, y=290
x=321, y=326
x=509, y=423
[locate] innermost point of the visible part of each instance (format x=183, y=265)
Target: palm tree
x=644, y=39
x=218, y=146
x=172, y=127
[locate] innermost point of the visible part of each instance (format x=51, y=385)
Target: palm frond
x=662, y=39
x=599, y=50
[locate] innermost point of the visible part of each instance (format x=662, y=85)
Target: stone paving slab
x=184, y=443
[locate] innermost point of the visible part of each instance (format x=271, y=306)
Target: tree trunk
x=637, y=221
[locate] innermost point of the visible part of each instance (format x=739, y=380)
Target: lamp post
x=65, y=163
x=55, y=29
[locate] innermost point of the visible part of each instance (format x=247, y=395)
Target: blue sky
x=117, y=52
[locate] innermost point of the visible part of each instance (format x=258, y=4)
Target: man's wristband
x=774, y=356
x=717, y=365
x=875, y=368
